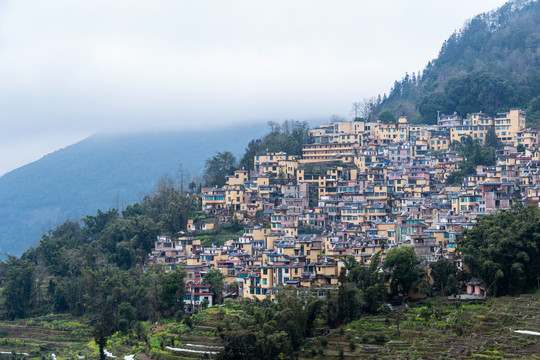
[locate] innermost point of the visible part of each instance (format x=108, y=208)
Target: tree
x=171, y=292
x=19, y=287
x=370, y=283
x=183, y=178
x=356, y=109
x=443, y=273
x=218, y=167
x=406, y=274
x=480, y=90
x=387, y=116
x=101, y=332
x=215, y=279
x=492, y=140
x=503, y=249
x=434, y=103
x=367, y=108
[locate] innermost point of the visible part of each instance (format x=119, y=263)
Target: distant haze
x=69, y=69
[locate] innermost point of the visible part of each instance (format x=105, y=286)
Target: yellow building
x=529, y=138
x=508, y=124
x=240, y=177
x=213, y=199
x=234, y=198
x=419, y=132
x=393, y=132
x=264, y=164
x=476, y=127
x=439, y=143
x=343, y=152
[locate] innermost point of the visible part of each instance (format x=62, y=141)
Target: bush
x=352, y=345
x=365, y=339
x=324, y=342
x=381, y=338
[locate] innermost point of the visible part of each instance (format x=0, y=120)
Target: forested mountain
x=490, y=65
x=103, y=172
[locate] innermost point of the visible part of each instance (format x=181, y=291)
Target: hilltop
x=102, y=172
x=491, y=64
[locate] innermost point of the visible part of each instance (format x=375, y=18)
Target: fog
x=69, y=69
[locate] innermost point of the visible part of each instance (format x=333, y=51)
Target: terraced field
x=438, y=330
x=442, y=331
x=34, y=338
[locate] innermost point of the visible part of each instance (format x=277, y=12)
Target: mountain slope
x=102, y=172
x=491, y=65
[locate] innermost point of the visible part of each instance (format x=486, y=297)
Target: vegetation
x=218, y=167
x=268, y=330
x=436, y=329
x=490, y=65
x=287, y=137
x=406, y=274
x=116, y=171
x=475, y=154
x=503, y=249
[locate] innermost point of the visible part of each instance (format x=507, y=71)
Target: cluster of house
x=357, y=189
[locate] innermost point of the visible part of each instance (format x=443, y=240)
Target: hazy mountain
x=102, y=172
x=491, y=65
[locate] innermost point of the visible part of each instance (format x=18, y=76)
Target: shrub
x=381, y=338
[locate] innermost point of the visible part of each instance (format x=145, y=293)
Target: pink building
x=476, y=287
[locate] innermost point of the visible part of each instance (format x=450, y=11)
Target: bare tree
x=336, y=118
x=183, y=177
x=367, y=108
x=356, y=109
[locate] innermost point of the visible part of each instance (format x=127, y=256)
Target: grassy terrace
x=439, y=330
x=433, y=330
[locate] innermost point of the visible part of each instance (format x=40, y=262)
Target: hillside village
x=358, y=189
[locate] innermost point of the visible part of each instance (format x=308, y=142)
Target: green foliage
x=361, y=291
x=215, y=279
x=475, y=154
x=387, y=116
x=444, y=275
x=432, y=104
x=18, y=292
x=503, y=250
x=97, y=267
x=480, y=91
x=489, y=65
x=288, y=137
x=267, y=329
x=406, y=273
x=218, y=167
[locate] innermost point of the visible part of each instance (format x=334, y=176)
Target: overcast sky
x=69, y=69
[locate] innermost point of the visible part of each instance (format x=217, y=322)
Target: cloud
x=87, y=66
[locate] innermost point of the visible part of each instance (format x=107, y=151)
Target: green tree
x=101, y=332
x=443, y=274
x=18, y=290
x=503, y=249
x=434, y=103
x=215, y=279
x=492, y=140
x=480, y=90
x=171, y=292
x=406, y=274
x=218, y=167
x=387, y=116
